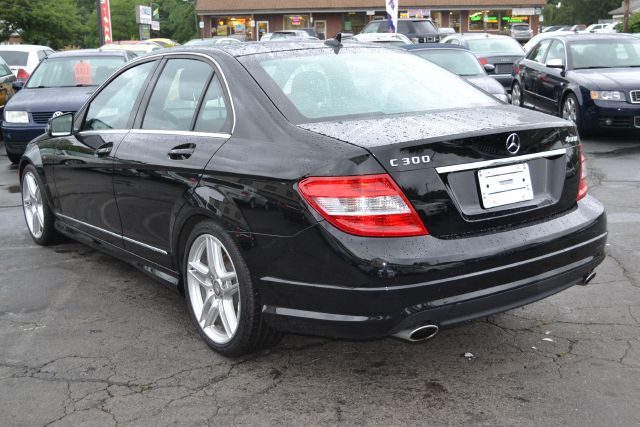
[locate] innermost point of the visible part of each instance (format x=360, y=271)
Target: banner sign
x=143, y=15
x=105, y=20
x=392, y=15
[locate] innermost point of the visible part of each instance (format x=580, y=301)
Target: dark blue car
x=591, y=79
x=60, y=84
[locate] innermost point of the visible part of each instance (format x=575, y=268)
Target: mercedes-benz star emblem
x=513, y=143
x=57, y=113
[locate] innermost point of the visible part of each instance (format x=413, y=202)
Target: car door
x=83, y=163
x=184, y=120
x=552, y=80
x=532, y=66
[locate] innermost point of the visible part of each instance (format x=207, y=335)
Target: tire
x=37, y=213
x=570, y=102
x=222, y=302
x=14, y=158
x=516, y=95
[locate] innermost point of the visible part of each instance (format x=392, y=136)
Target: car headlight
x=607, y=95
x=501, y=96
x=16, y=117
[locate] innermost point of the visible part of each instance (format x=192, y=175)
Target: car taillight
x=22, y=75
x=367, y=205
x=582, y=188
x=483, y=61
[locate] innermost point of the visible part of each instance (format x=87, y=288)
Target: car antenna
x=335, y=43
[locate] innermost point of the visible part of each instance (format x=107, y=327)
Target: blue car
x=60, y=84
x=590, y=79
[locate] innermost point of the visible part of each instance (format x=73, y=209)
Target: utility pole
x=100, y=31
x=627, y=12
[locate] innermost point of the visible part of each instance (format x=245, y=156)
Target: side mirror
x=61, y=125
x=555, y=63
x=17, y=85
x=489, y=68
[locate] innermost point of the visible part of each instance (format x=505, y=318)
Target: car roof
x=24, y=47
x=601, y=36
x=423, y=46
x=482, y=36
x=88, y=52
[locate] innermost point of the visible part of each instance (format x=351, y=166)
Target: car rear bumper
x=17, y=136
x=611, y=115
x=368, y=288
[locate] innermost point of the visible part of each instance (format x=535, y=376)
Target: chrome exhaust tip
x=421, y=333
x=587, y=278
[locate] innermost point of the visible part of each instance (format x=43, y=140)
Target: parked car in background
x=388, y=39
x=576, y=28
x=23, y=58
x=463, y=62
x=7, y=79
x=553, y=28
x=291, y=35
x=446, y=31
x=520, y=32
x=535, y=39
x=60, y=84
x=418, y=30
x=592, y=28
x=592, y=80
x=137, y=47
x=166, y=43
x=416, y=210
x=611, y=28
x=212, y=41
x=498, y=50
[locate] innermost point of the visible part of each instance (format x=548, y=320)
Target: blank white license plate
x=505, y=185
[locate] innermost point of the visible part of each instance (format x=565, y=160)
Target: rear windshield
x=605, y=53
x=318, y=84
x=461, y=62
x=14, y=58
x=424, y=27
x=74, y=71
x=490, y=45
x=520, y=27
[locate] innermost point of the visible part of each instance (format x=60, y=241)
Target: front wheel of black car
x=516, y=95
x=37, y=212
x=221, y=299
x=570, y=110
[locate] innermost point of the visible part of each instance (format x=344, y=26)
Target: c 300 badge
x=406, y=161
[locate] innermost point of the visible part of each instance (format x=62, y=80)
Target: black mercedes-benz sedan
x=590, y=79
x=391, y=197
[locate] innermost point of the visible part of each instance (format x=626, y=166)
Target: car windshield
x=607, y=53
x=423, y=27
x=461, y=62
x=74, y=71
x=316, y=85
x=14, y=58
x=491, y=45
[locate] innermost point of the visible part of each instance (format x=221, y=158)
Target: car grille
x=41, y=117
x=635, y=96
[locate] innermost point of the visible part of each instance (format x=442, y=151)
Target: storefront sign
x=143, y=15
x=105, y=19
x=523, y=11
x=155, y=25
x=419, y=13
x=392, y=15
x=371, y=12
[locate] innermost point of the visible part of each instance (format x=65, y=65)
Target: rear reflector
x=367, y=205
x=583, y=187
x=22, y=75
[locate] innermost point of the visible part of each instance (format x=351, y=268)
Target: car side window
x=214, y=115
x=176, y=95
x=112, y=107
x=41, y=55
x=556, y=51
x=537, y=53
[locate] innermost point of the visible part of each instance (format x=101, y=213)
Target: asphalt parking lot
x=88, y=340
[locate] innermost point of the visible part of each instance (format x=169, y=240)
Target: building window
x=485, y=20
x=454, y=21
x=295, y=22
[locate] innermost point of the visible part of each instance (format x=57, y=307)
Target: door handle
x=182, y=152
x=104, y=149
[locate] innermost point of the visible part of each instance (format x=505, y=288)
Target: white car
x=23, y=58
x=390, y=39
x=535, y=39
x=611, y=28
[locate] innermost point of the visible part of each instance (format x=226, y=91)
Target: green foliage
x=177, y=20
x=578, y=11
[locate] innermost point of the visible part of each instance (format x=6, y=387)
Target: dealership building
x=251, y=18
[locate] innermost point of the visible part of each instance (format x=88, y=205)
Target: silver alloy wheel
x=515, y=95
x=32, y=205
x=569, y=109
x=213, y=288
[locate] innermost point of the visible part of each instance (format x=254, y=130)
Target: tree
x=177, y=20
x=56, y=24
x=578, y=11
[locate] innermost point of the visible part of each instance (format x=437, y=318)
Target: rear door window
x=214, y=115
x=176, y=95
